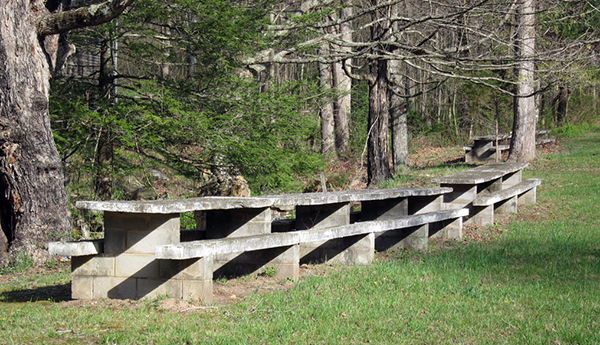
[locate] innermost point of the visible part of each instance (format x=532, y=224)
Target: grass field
x=531, y=279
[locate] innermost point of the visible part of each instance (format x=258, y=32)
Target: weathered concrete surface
x=273, y=201
x=486, y=199
x=481, y=174
x=76, y=248
x=188, y=250
x=487, y=204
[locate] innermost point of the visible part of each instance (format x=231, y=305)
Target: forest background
x=212, y=92
x=188, y=98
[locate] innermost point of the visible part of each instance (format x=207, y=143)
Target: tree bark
x=378, y=167
x=343, y=83
x=399, y=121
x=326, y=112
x=562, y=104
x=33, y=202
x=522, y=148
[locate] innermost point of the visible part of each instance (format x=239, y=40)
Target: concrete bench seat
x=76, y=248
x=503, y=201
x=484, y=184
x=481, y=174
x=487, y=199
x=197, y=249
x=281, y=250
x=545, y=141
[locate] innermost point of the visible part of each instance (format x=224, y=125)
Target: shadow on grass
x=52, y=293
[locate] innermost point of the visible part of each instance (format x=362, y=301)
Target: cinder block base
x=238, y=222
x=528, y=197
x=285, y=261
x=451, y=229
x=481, y=215
x=507, y=206
x=414, y=238
x=355, y=250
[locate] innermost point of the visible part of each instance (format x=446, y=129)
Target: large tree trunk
x=377, y=143
x=522, y=148
x=562, y=104
x=326, y=112
x=398, y=119
x=343, y=83
x=33, y=202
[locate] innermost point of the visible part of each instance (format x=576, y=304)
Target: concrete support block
x=414, y=238
x=322, y=216
x=138, y=232
x=115, y=287
x=285, y=260
x=383, y=209
x=490, y=186
x=98, y=265
x=196, y=279
x=450, y=228
x=318, y=217
x=481, y=215
x=461, y=196
x=354, y=250
x=238, y=222
x=424, y=204
x=82, y=287
x=153, y=288
x=287, y=263
x=528, y=197
x=128, y=268
x=507, y=206
x=136, y=265
x=512, y=179
x=417, y=238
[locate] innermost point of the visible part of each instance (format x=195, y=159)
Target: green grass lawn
x=533, y=279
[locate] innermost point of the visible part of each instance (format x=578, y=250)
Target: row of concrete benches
x=144, y=252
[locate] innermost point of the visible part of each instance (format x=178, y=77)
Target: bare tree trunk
x=398, y=119
x=562, y=104
x=522, y=148
x=344, y=84
x=33, y=202
x=327, y=117
x=378, y=157
x=104, y=150
x=57, y=47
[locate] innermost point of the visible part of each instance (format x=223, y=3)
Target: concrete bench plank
x=312, y=199
x=544, y=141
x=275, y=201
x=76, y=248
x=481, y=174
x=176, y=205
x=197, y=249
x=487, y=199
x=492, y=137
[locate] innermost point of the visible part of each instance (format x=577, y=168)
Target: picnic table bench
x=145, y=254
x=494, y=187
x=489, y=148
